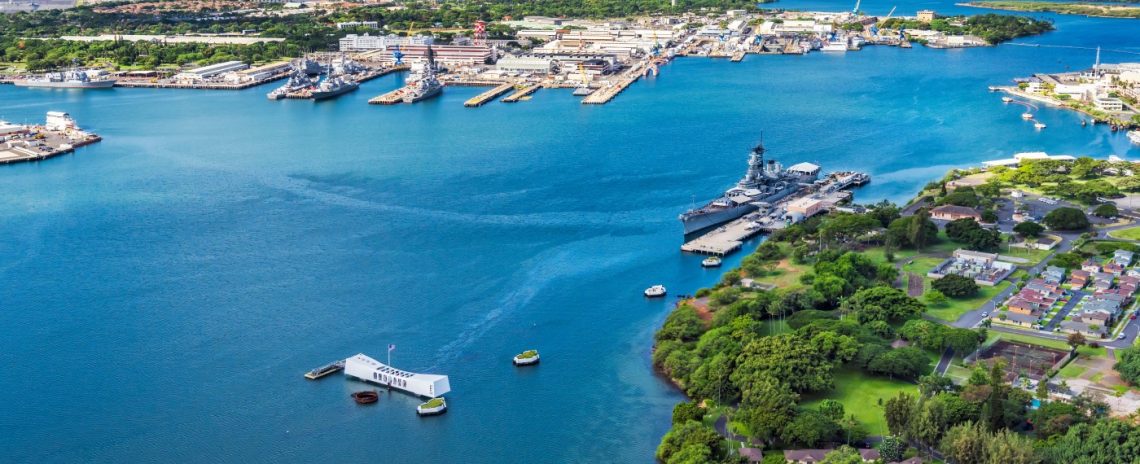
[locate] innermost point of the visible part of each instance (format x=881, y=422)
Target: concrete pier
x=390, y=98
x=488, y=96
x=725, y=239
x=522, y=92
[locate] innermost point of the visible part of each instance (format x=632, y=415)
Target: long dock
x=390, y=98
x=738, y=56
x=200, y=85
x=725, y=239
x=522, y=92
x=488, y=96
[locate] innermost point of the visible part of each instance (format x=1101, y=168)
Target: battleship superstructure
x=298, y=80
x=333, y=86
x=426, y=86
x=763, y=182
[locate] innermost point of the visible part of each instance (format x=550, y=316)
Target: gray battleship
x=762, y=183
x=298, y=81
x=70, y=79
x=333, y=87
x=427, y=86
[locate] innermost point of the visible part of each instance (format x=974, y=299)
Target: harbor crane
x=855, y=10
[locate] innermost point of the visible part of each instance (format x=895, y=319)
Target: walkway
x=1077, y=296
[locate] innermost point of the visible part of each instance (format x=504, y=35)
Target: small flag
x=391, y=347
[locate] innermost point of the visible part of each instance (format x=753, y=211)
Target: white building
x=214, y=70
x=1109, y=104
x=59, y=121
x=356, y=24
x=370, y=370
x=526, y=64
x=359, y=43
x=1018, y=158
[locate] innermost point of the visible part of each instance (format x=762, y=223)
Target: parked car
x=1122, y=336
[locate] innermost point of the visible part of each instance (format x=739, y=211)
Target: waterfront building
x=926, y=16
x=1029, y=156
x=526, y=64
x=211, y=71
x=366, y=42
x=1109, y=104
x=806, y=207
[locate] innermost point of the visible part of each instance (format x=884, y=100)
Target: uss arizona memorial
x=370, y=370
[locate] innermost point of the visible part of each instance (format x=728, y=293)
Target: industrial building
x=527, y=65
x=211, y=71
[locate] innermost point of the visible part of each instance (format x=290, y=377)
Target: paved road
x=944, y=362
x=1076, y=298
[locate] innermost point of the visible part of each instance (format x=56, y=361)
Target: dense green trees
x=1128, y=364
x=691, y=440
x=993, y=28
x=968, y=232
x=915, y=231
x=937, y=337
x=882, y=304
x=904, y=363
x=956, y=286
x=1106, y=210
x=1065, y=218
x=1029, y=229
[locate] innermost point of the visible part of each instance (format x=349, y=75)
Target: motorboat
x=655, y=291
x=711, y=261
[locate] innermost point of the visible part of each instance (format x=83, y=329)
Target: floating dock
x=738, y=56
x=325, y=370
x=488, y=96
x=521, y=92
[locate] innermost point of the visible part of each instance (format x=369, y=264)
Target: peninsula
x=1103, y=10
x=958, y=323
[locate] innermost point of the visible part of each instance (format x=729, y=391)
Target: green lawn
x=1046, y=342
x=1072, y=371
x=1032, y=254
x=921, y=265
x=955, y=307
x=860, y=395
x=878, y=254
x=1131, y=233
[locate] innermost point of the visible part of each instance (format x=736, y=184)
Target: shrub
x=1066, y=218
x=956, y=286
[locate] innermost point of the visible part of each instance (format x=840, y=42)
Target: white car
x=1121, y=336
x=985, y=314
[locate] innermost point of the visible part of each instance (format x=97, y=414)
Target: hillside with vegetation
x=993, y=28
x=1069, y=8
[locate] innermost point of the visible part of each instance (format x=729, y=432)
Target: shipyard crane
x=855, y=10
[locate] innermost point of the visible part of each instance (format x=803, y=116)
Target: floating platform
x=391, y=98
x=488, y=96
x=725, y=240
x=521, y=92
x=325, y=370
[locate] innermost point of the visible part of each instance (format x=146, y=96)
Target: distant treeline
x=993, y=28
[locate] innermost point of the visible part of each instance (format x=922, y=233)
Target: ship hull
x=335, y=93
x=699, y=222
x=67, y=85
x=429, y=94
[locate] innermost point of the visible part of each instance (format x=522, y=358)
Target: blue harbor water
x=165, y=289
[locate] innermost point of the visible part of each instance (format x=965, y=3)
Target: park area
x=862, y=395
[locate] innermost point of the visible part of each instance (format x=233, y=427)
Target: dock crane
x=396, y=53
x=855, y=11
x=875, y=28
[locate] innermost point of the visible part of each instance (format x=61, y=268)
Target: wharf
x=725, y=239
x=18, y=154
x=391, y=98
x=605, y=94
x=485, y=97
x=520, y=92
x=154, y=84
x=738, y=56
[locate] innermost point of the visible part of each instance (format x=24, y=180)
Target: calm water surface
x=166, y=288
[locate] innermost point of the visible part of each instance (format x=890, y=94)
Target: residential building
x=752, y=454
x=984, y=268
x=805, y=456
x=1123, y=257
x=1079, y=278
x=1091, y=265
x=1054, y=275
x=1102, y=280
x=1084, y=326
x=953, y=212
x=1021, y=319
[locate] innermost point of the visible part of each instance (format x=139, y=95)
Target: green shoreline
x=1128, y=11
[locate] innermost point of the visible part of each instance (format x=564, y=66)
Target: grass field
x=955, y=308
x=860, y=395
x=1032, y=254
x=1046, y=342
x=921, y=265
x=1131, y=233
x=1072, y=371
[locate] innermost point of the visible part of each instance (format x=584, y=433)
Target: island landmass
x=1099, y=10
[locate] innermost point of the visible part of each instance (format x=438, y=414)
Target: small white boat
x=432, y=407
x=1026, y=115
x=1006, y=99
x=711, y=261
x=655, y=291
x=1039, y=125
x=526, y=358
x=1134, y=136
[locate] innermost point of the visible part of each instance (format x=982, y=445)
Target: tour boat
x=1039, y=125
x=432, y=407
x=1006, y=99
x=1026, y=115
x=365, y=397
x=655, y=291
x=711, y=261
x=526, y=358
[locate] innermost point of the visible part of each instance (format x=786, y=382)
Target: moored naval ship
x=70, y=79
x=298, y=81
x=427, y=86
x=762, y=183
x=333, y=87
